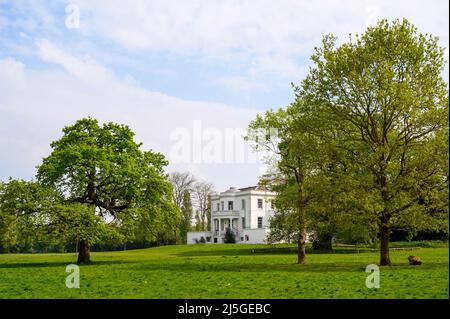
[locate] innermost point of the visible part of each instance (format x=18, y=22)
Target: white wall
x=255, y=236
x=256, y=212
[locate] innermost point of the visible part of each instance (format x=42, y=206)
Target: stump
x=414, y=260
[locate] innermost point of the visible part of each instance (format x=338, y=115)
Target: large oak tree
x=103, y=167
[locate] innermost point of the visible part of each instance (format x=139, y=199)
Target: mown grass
x=224, y=271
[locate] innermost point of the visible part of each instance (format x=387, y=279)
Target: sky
x=186, y=76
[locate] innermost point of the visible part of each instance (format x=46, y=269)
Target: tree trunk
x=384, y=246
x=301, y=257
x=385, y=229
x=84, y=253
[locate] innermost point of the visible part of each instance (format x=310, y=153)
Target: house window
x=260, y=203
x=243, y=204
x=223, y=207
x=243, y=222
x=242, y=238
x=260, y=220
x=230, y=205
x=208, y=239
x=215, y=240
x=218, y=206
x=246, y=237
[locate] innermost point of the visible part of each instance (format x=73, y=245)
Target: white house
x=247, y=211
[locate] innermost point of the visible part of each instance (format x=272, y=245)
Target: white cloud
x=85, y=70
x=12, y=71
x=277, y=66
x=249, y=25
x=45, y=101
x=239, y=83
x=277, y=35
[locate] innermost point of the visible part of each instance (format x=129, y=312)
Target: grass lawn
x=224, y=271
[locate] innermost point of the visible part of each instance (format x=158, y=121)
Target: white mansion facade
x=246, y=211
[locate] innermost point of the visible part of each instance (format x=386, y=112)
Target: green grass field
x=224, y=271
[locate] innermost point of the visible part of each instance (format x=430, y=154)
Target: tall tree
x=386, y=85
x=287, y=135
x=198, y=221
x=102, y=166
x=186, y=213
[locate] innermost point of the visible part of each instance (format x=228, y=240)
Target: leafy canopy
x=104, y=166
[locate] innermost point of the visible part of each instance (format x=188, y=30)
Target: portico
x=221, y=225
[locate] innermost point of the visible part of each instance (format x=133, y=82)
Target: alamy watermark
x=373, y=280
x=73, y=279
x=211, y=145
x=72, y=20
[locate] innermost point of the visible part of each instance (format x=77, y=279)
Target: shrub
x=201, y=241
x=230, y=237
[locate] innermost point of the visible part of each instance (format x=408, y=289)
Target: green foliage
x=23, y=209
x=33, y=216
x=285, y=135
x=384, y=88
x=354, y=233
x=77, y=222
x=103, y=166
x=309, y=172
x=230, y=237
x=198, y=221
x=365, y=144
x=94, y=173
x=186, y=213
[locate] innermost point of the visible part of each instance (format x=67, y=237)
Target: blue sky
x=160, y=66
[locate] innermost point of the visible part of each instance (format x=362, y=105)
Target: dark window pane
x=260, y=203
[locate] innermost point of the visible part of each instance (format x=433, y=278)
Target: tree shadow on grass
x=60, y=264
x=268, y=267
x=269, y=251
x=216, y=252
